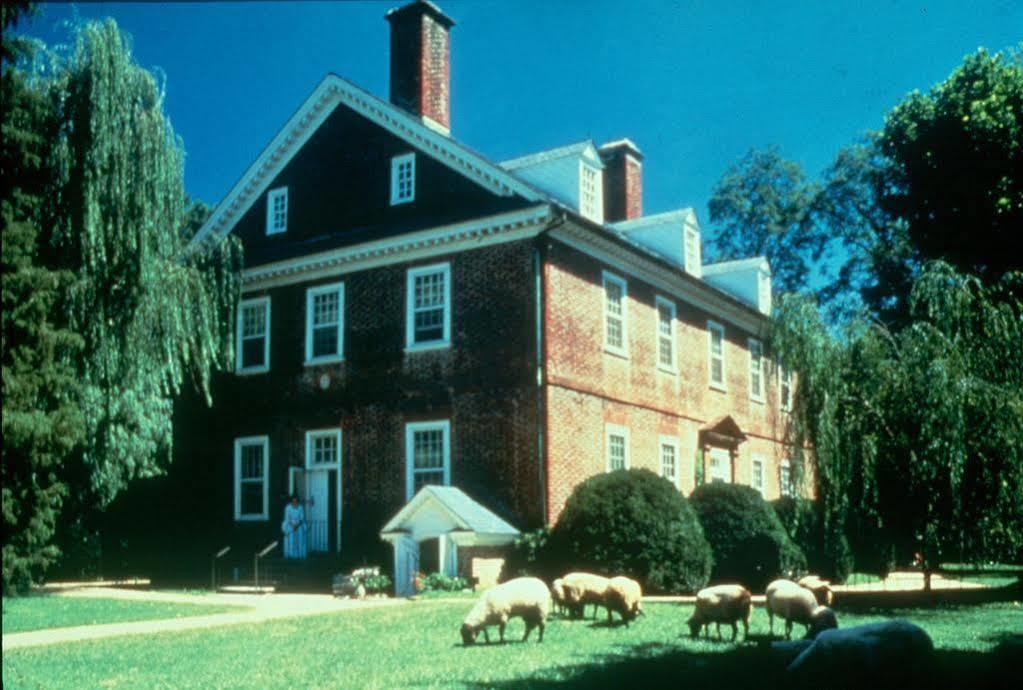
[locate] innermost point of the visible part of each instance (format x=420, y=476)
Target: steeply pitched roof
x=550, y=154
x=466, y=513
x=737, y=265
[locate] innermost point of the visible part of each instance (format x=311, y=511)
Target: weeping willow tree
x=153, y=312
x=916, y=436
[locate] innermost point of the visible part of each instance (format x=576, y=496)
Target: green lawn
x=417, y=645
x=21, y=614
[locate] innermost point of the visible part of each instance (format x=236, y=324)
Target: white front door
x=720, y=465
x=317, y=510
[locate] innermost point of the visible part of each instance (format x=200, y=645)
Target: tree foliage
x=151, y=313
x=941, y=180
x=917, y=434
x=108, y=310
x=41, y=419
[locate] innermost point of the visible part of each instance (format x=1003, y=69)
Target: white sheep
x=525, y=597
x=623, y=595
x=821, y=589
x=558, y=595
x=797, y=604
x=581, y=589
x=721, y=604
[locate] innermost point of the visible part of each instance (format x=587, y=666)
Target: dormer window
x=591, y=197
x=692, y=249
x=277, y=211
x=403, y=179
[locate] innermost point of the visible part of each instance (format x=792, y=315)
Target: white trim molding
x=411, y=429
x=414, y=274
x=403, y=179
x=712, y=328
x=329, y=93
x=608, y=278
x=262, y=442
x=311, y=437
x=755, y=369
x=669, y=304
x=310, y=314
x=673, y=443
x=614, y=430
x=448, y=239
x=240, y=338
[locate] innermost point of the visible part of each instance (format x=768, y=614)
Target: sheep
x=893, y=653
x=558, y=595
x=525, y=597
x=821, y=589
x=623, y=595
x=581, y=589
x=721, y=604
x=797, y=605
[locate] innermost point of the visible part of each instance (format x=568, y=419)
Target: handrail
x=217, y=556
x=255, y=561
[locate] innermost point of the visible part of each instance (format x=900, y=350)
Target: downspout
x=539, y=262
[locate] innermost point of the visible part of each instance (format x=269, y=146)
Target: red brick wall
x=623, y=185
x=435, y=78
x=588, y=387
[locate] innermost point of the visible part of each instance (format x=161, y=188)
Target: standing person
x=294, y=529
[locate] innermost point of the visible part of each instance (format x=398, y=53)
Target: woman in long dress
x=294, y=529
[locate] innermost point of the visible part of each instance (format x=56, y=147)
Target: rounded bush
x=633, y=523
x=749, y=543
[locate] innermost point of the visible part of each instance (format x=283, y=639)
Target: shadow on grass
x=656, y=665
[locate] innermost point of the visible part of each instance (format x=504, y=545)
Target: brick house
x=414, y=314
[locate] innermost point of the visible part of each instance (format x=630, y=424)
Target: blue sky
x=694, y=84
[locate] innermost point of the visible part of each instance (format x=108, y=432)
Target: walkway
x=257, y=609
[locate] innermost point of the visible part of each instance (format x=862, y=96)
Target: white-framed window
x=784, y=388
x=666, y=334
x=785, y=478
x=616, y=443
x=251, y=470
x=669, y=459
x=716, y=354
x=427, y=455
x=277, y=211
x=616, y=333
x=403, y=179
x=692, y=246
x=428, y=315
x=252, y=336
x=720, y=465
x=757, y=473
x=323, y=448
x=324, y=323
x=591, y=192
x=756, y=369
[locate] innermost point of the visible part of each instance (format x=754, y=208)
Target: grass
x=417, y=644
x=38, y=612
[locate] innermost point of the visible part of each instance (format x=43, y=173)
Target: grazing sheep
x=721, y=604
x=892, y=653
x=797, y=604
x=623, y=596
x=525, y=597
x=558, y=595
x=581, y=589
x=821, y=589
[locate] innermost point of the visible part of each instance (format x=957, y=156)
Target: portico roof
x=447, y=510
x=723, y=432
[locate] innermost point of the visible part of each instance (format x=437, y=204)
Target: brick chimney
x=623, y=180
x=420, y=62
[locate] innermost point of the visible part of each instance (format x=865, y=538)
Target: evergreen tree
x=41, y=419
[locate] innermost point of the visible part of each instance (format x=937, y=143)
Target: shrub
x=749, y=543
x=439, y=582
x=377, y=584
x=827, y=554
x=530, y=555
x=633, y=523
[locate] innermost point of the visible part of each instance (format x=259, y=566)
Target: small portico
x=719, y=442
x=448, y=515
